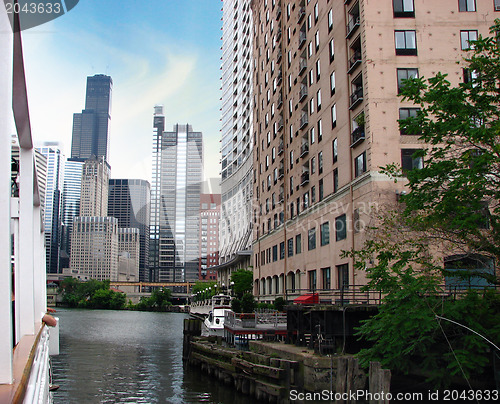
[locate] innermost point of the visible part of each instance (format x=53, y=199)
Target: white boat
x=25, y=341
x=213, y=326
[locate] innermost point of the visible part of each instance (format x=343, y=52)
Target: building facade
x=209, y=235
x=129, y=202
x=326, y=83
x=176, y=188
x=94, y=248
x=129, y=249
x=237, y=139
x=91, y=126
x=72, y=188
x=53, y=203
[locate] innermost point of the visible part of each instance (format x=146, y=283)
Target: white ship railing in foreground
x=24, y=339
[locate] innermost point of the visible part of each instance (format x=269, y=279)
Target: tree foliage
x=452, y=208
x=243, y=281
x=92, y=294
x=158, y=301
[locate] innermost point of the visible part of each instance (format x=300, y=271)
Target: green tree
x=452, y=208
x=248, y=303
x=243, y=281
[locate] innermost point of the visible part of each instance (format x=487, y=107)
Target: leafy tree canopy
x=243, y=281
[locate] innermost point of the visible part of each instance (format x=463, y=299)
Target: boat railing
x=251, y=320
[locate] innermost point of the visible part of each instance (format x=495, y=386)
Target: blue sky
x=157, y=52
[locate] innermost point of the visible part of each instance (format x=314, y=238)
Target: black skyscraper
x=91, y=126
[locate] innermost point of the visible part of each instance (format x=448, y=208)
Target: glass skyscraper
x=177, y=176
x=129, y=202
x=91, y=126
x=53, y=204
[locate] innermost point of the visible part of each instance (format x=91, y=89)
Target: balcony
x=302, y=92
x=356, y=98
x=278, y=13
x=304, y=120
x=280, y=124
x=357, y=136
x=304, y=149
x=354, y=61
x=279, y=56
x=278, y=35
x=302, y=14
x=279, y=79
x=302, y=39
x=302, y=66
x=281, y=148
x=304, y=179
x=281, y=173
x=352, y=26
x=280, y=100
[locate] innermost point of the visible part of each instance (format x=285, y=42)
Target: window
x=332, y=50
x=313, y=195
x=318, y=69
x=291, y=159
x=316, y=12
x=497, y=5
x=406, y=42
x=320, y=162
x=360, y=164
x=343, y=276
x=313, y=165
x=282, y=250
x=330, y=20
x=332, y=83
x=305, y=200
x=466, y=271
x=311, y=77
x=311, y=239
x=290, y=247
x=405, y=74
x=403, y=8
x=335, y=150
x=325, y=233
x=320, y=131
x=320, y=190
x=291, y=186
x=325, y=274
x=318, y=99
x=469, y=75
x=466, y=37
x=312, y=136
x=405, y=113
x=340, y=228
x=311, y=106
x=316, y=40
x=409, y=161
x=334, y=115
x=312, y=280
x=275, y=253
x=466, y=5
x=298, y=244
x=335, y=180
x=310, y=49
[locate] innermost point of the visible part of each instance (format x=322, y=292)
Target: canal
x=111, y=356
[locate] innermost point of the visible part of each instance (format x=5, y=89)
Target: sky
x=157, y=52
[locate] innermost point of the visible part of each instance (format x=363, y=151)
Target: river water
x=109, y=356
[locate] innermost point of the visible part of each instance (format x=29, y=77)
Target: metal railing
x=351, y=294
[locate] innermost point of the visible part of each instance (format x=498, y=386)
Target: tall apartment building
x=91, y=126
x=326, y=83
x=237, y=139
x=129, y=250
x=209, y=235
x=53, y=203
x=175, y=202
x=129, y=202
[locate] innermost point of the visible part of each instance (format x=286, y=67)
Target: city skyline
x=151, y=62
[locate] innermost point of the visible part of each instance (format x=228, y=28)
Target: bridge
x=135, y=290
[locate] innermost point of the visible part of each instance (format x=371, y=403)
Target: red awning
x=308, y=298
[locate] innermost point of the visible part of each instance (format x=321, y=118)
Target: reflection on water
x=129, y=357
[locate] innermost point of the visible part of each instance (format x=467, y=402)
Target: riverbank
x=274, y=371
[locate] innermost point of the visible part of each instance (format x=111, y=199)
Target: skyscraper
x=177, y=176
x=70, y=205
x=129, y=202
x=94, y=188
x=326, y=87
x=91, y=126
x=53, y=204
x=209, y=235
x=237, y=137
